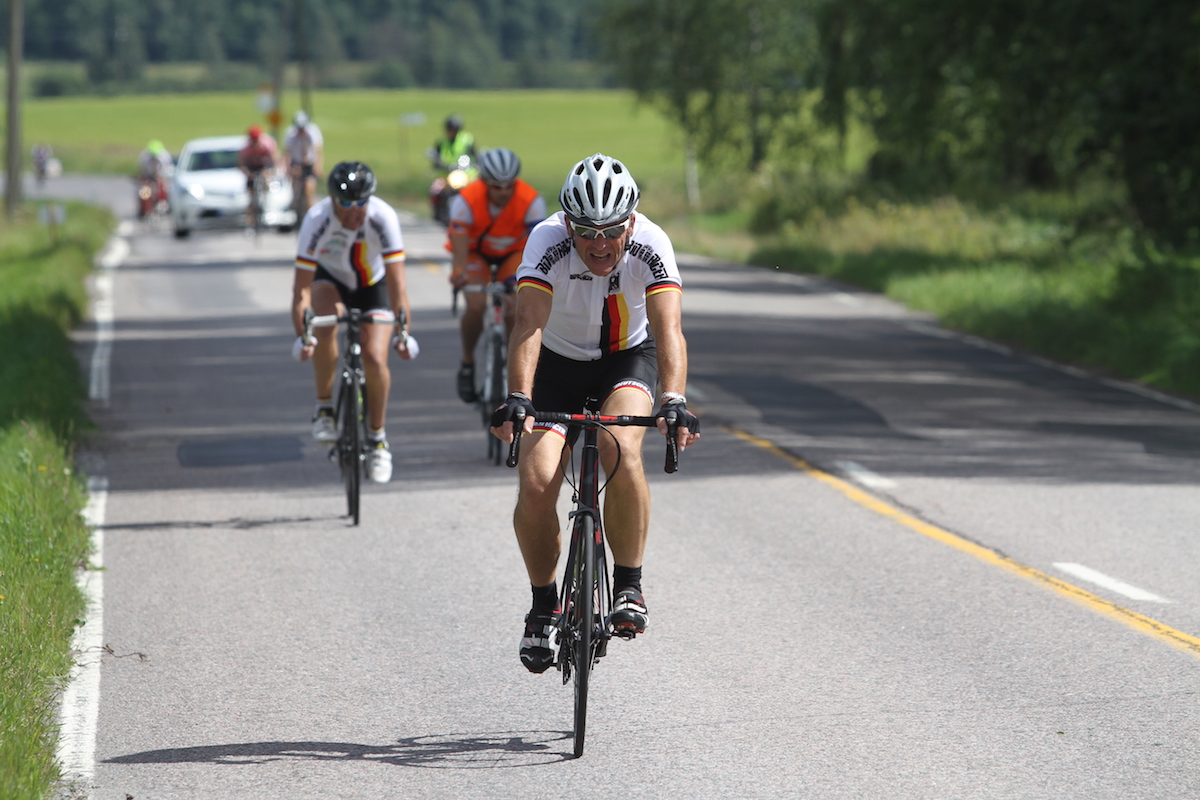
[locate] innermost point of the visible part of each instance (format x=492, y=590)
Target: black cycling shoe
x=536, y=654
x=629, y=613
x=466, y=383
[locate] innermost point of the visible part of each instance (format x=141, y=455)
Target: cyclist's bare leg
x=508, y=272
x=472, y=321
x=376, y=341
x=536, y=516
x=627, y=498
x=325, y=300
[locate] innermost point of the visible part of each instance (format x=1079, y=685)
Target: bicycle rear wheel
x=583, y=605
x=350, y=444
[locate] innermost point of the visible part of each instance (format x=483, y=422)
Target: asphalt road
x=860, y=581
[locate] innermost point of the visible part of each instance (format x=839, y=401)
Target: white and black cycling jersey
x=592, y=316
x=355, y=258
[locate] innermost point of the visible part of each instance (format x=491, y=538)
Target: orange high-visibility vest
x=507, y=233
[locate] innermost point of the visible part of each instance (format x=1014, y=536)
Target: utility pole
x=302, y=55
x=16, y=38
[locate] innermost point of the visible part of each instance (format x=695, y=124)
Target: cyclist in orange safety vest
x=490, y=220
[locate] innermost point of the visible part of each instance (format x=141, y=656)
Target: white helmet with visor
x=599, y=191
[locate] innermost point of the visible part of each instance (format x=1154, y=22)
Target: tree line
x=434, y=43
x=1024, y=93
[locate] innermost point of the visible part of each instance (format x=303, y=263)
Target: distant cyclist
x=154, y=168
x=42, y=154
x=351, y=254
x=260, y=154
x=304, y=147
x=445, y=156
x=456, y=142
x=598, y=315
x=490, y=221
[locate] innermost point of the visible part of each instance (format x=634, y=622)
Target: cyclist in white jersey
x=351, y=254
x=304, y=147
x=598, y=315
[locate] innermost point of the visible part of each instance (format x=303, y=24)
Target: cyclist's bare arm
x=397, y=287
x=460, y=249
x=302, y=302
x=301, y=297
x=665, y=312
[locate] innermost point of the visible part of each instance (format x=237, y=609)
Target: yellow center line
x=1133, y=619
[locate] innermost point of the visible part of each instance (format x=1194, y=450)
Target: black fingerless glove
x=683, y=417
x=507, y=412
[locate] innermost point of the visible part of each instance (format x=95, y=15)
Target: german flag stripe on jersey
x=614, y=326
x=306, y=263
x=360, y=263
x=535, y=283
x=393, y=256
x=662, y=286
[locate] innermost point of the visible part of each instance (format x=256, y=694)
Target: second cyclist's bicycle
x=491, y=359
x=350, y=398
x=584, y=624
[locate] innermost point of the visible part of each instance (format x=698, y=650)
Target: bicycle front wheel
x=584, y=612
x=350, y=443
x=494, y=390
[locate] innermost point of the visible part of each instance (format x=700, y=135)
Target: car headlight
x=196, y=191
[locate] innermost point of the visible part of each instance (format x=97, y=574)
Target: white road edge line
x=102, y=310
x=79, y=712
x=1108, y=582
x=860, y=474
x=80, y=708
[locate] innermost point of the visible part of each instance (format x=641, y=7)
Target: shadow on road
x=446, y=751
x=215, y=402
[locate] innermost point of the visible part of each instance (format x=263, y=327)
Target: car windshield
x=212, y=159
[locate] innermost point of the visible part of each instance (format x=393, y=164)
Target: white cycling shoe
x=324, y=426
x=379, y=462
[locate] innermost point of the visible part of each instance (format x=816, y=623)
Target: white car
x=209, y=191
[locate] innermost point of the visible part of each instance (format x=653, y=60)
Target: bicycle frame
x=350, y=408
x=491, y=374
x=585, y=624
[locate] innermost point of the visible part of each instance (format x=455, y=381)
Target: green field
x=549, y=130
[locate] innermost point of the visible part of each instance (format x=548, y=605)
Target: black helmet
x=454, y=121
x=351, y=181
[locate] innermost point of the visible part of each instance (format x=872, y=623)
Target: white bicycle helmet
x=599, y=191
x=499, y=165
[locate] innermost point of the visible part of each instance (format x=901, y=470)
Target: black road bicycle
x=491, y=359
x=584, y=625
x=349, y=451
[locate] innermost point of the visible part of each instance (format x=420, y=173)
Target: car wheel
x=181, y=233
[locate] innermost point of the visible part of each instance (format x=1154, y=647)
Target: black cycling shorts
x=564, y=384
x=364, y=298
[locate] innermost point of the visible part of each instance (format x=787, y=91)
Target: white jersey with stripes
x=593, y=316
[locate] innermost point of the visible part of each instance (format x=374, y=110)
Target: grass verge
x=43, y=539
x=1063, y=276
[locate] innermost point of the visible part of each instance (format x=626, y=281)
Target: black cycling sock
x=627, y=578
x=545, y=598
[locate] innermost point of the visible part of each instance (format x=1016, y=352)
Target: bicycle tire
x=583, y=605
x=351, y=445
x=260, y=186
x=496, y=389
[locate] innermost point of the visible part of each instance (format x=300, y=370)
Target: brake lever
x=514, y=447
x=672, y=462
